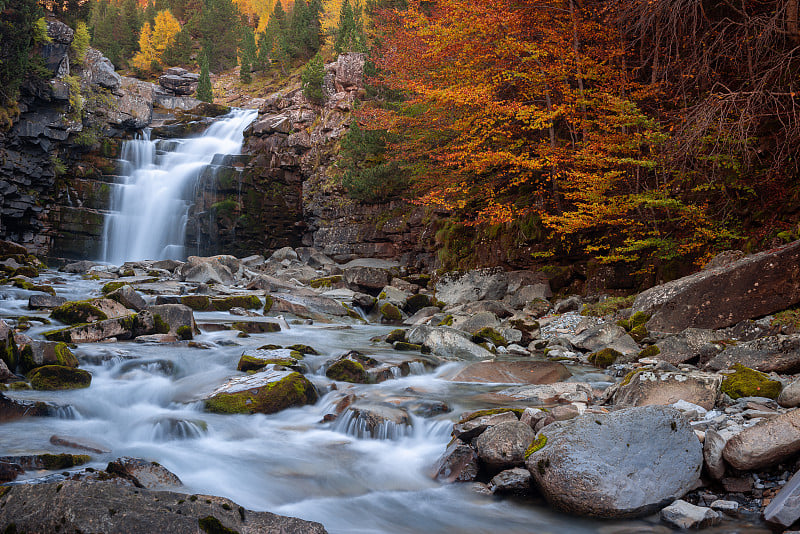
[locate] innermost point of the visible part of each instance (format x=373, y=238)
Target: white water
x=150, y=209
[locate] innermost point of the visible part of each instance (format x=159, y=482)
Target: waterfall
x=150, y=208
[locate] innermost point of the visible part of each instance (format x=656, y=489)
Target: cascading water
x=150, y=209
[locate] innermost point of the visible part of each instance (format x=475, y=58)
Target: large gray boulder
x=623, y=464
x=109, y=506
x=208, y=270
x=688, y=345
x=481, y=284
x=503, y=446
x=754, y=286
x=98, y=70
x=180, y=85
x=174, y=316
x=447, y=343
x=603, y=336
x=134, y=109
x=780, y=354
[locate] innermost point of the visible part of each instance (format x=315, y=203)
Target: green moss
x=746, y=382
x=604, y=358
x=24, y=284
x=638, y=333
x=55, y=377
x=185, y=332
x=346, y=370
x=607, y=306
x=269, y=347
x=256, y=328
x=197, y=302
x=162, y=327
x=649, y=352
x=489, y=334
x=292, y=390
x=62, y=334
x=390, y=312
x=303, y=349
x=248, y=302
x=396, y=335
x=629, y=376
x=211, y=525
x=128, y=272
x=326, y=281
x=415, y=303
x=402, y=345
x=490, y=411
x=249, y=363
x=638, y=319
x=537, y=444
x=447, y=321
x=82, y=311
x=111, y=287
x=268, y=302
x=62, y=461
x=26, y=270
x=64, y=356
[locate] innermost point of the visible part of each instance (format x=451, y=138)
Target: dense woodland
x=648, y=132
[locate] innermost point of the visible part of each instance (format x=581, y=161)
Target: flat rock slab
x=73, y=506
x=780, y=354
x=626, y=463
x=784, y=508
x=510, y=372
x=754, y=286
x=664, y=388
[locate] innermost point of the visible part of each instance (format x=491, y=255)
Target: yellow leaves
x=153, y=41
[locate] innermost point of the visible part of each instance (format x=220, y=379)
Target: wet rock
x=215, y=269
x=379, y=421
x=538, y=395
x=128, y=297
x=459, y=463
x=503, y=445
x=686, y=346
x=513, y=372
x=175, y=319
x=79, y=267
x=447, y=343
x=780, y=354
x=254, y=360
x=5, y=373
x=784, y=509
x=754, y=286
x=56, y=377
x=307, y=306
x=79, y=443
x=11, y=409
x=50, y=462
x=623, y=464
x=38, y=353
x=664, y=388
x=516, y=480
x=352, y=367
x=144, y=474
x=75, y=506
x=766, y=443
x=9, y=471
x=87, y=311
x=265, y=392
x=471, y=426
x=37, y=302
x=603, y=336
x=123, y=328
x=681, y=514
x=481, y=284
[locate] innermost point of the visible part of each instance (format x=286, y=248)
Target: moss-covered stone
x=447, y=321
x=607, y=306
x=185, y=332
x=325, y=281
x=396, y=335
x=390, y=313
x=538, y=443
x=491, y=335
x=62, y=461
x=638, y=333
x=211, y=525
x=402, y=345
x=604, y=358
x=746, y=382
x=256, y=327
x=291, y=390
x=414, y=303
x=649, y=352
x=197, y=302
x=24, y=284
x=629, y=376
x=162, y=327
x=638, y=319
x=55, y=377
x=249, y=363
x=64, y=356
x=110, y=287
x=303, y=349
x=269, y=346
x=77, y=312
x=268, y=302
x=346, y=370
x=248, y=302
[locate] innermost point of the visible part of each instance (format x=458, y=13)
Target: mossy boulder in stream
x=254, y=360
x=352, y=367
x=53, y=377
x=38, y=353
x=83, y=311
x=266, y=392
x=248, y=302
x=746, y=382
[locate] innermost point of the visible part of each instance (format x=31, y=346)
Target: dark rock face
x=179, y=84
x=752, y=287
x=110, y=506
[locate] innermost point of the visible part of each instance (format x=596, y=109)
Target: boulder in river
x=513, y=372
x=144, y=474
x=107, y=506
x=122, y=327
x=37, y=302
x=38, y=353
x=459, y=463
x=265, y=392
x=447, y=343
x=55, y=377
x=503, y=446
x=626, y=463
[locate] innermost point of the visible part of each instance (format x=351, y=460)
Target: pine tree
x=247, y=54
x=80, y=42
x=312, y=78
x=350, y=33
x=16, y=41
x=265, y=41
x=178, y=52
x=220, y=27
x=204, y=90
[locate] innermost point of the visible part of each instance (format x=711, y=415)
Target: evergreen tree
x=180, y=50
x=312, y=38
x=262, y=61
x=132, y=17
x=16, y=41
x=204, y=90
x=295, y=41
x=247, y=54
x=220, y=25
x=80, y=42
x=350, y=33
x=312, y=78
x=279, y=30
x=107, y=35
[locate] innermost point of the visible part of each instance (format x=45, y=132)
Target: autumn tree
x=153, y=42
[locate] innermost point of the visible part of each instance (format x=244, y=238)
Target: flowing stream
x=149, y=209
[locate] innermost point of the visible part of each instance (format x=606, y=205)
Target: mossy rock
x=303, y=349
x=638, y=319
x=491, y=335
x=746, y=382
x=390, y=313
x=56, y=377
x=24, y=284
x=325, y=281
x=185, y=332
x=256, y=327
x=248, y=302
x=415, y=303
x=608, y=306
x=268, y=302
x=604, y=358
x=110, y=287
x=638, y=333
x=447, y=321
x=346, y=370
x=538, y=443
x=162, y=327
x=269, y=346
x=197, y=302
x=249, y=363
x=77, y=312
x=649, y=352
x=211, y=525
x=63, y=356
x=53, y=462
x=292, y=389
x=402, y=345
x=26, y=270
x=396, y=335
